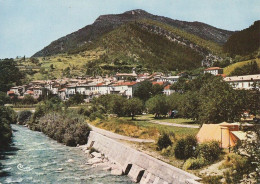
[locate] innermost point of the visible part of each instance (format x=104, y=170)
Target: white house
x=167, y=91
x=125, y=88
x=37, y=91
x=70, y=90
x=214, y=70
x=125, y=76
x=62, y=94
x=243, y=82
x=170, y=79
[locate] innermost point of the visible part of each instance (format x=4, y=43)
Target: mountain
x=244, y=42
x=106, y=23
x=134, y=39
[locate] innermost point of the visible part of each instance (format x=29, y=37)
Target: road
x=119, y=137
x=174, y=124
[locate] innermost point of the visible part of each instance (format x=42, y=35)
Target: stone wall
x=138, y=166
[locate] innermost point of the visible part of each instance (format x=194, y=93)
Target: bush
x=212, y=179
x=241, y=165
x=93, y=116
x=24, y=116
x=28, y=100
x=84, y=111
x=169, y=151
x=179, y=149
x=65, y=128
x=75, y=99
x=7, y=116
x=210, y=151
x=164, y=141
x=52, y=105
x=194, y=163
x=185, y=148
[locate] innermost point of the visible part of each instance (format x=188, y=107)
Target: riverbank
x=139, y=166
x=35, y=158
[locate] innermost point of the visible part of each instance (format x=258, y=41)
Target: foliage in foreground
x=65, y=128
x=164, y=141
x=62, y=125
x=236, y=166
x=7, y=116
x=185, y=147
x=204, y=154
x=249, y=149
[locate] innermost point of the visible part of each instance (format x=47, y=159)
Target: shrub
x=65, y=128
x=7, y=116
x=185, y=148
x=93, y=116
x=241, y=165
x=75, y=99
x=164, y=141
x=194, y=163
x=179, y=149
x=210, y=151
x=212, y=179
x=84, y=111
x=28, y=100
x=168, y=151
x=24, y=116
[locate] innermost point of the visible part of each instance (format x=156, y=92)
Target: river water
x=35, y=158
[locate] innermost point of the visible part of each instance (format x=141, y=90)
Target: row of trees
x=209, y=99
x=206, y=99
x=119, y=105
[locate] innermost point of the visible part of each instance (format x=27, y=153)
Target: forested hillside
x=244, y=42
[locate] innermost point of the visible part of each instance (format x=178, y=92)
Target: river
x=35, y=158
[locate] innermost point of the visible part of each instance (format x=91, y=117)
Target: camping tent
x=227, y=134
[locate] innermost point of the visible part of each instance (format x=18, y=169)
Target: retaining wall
x=138, y=166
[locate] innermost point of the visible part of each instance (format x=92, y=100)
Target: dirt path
x=174, y=124
x=117, y=136
x=213, y=170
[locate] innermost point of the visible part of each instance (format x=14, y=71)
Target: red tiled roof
x=160, y=83
x=10, y=92
x=213, y=68
x=99, y=84
x=125, y=84
x=29, y=92
x=167, y=87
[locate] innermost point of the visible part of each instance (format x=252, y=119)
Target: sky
x=27, y=26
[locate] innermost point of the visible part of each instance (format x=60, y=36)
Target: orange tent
x=223, y=133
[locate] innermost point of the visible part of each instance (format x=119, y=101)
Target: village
x=122, y=84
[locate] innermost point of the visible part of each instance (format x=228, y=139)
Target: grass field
x=141, y=128
x=144, y=129
x=230, y=68
x=150, y=117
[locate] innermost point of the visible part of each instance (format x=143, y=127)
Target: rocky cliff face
x=107, y=23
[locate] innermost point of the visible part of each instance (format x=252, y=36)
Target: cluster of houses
x=122, y=83
x=237, y=82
